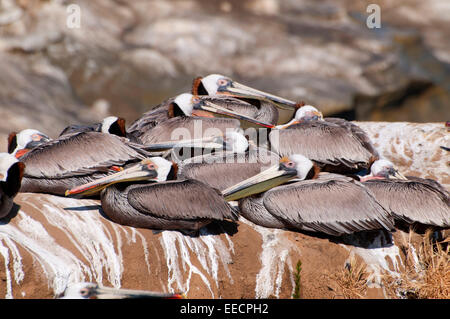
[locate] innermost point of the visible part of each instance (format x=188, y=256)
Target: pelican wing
x=253, y=209
x=75, y=129
x=79, y=154
x=253, y=155
x=185, y=199
x=358, y=132
x=150, y=119
x=257, y=109
x=413, y=201
x=220, y=175
x=184, y=127
x=328, y=205
x=322, y=142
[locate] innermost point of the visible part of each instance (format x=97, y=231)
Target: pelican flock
x=202, y=157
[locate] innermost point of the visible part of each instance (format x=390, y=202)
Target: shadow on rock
x=368, y=239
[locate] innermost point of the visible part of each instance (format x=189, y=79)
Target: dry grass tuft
x=352, y=280
x=426, y=274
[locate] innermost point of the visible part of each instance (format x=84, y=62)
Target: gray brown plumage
x=188, y=127
x=150, y=119
x=257, y=109
x=225, y=169
x=415, y=200
x=158, y=124
x=172, y=205
x=336, y=147
x=332, y=204
x=146, y=195
x=75, y=159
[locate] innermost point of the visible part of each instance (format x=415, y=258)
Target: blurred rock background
x=128, y=56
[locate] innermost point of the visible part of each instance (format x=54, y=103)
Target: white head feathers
x=210, y=83
x=185, y=103
x=6, y=161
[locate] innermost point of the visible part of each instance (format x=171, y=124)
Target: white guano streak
x=208, y=249
x=84, y=229
x=275, y=254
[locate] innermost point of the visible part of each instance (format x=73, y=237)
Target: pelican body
x=11, y=172
x=152, y=118
x=409, y=199
x=146, y=196
x=75, y=159
x=197, y=116
x=328, y=203
x=336, y=145
x=223, y=169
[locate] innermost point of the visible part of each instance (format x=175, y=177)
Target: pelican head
x=113, y=125
x=219, y=84
x=384, y=168
x=294, y=166
x=303, y=113
x=184, y=103
x=24, y=141
x=235, y=142
x=87, y=290
x=189, y=105
x=307, y=113
x=156, y=169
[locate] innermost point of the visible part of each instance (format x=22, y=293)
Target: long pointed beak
x=241, y=90
x=216, y=109
x=397, y=175
x=112, y=293
x=206, y=142
x=135, y=173
x=259, y=183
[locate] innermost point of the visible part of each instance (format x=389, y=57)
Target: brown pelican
x=335, y=144
x=111, y=124
x=11, y=172
x=24, y=141
x=231, y=142
x=74, y=159
x=146, y=196
x=409, y=199
x=152, y=118
x=195, y=116
x=223, y=169
x=217, y=84
x=88, y=290
x=327, y=203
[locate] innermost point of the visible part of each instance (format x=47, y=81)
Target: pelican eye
x=151, y=166
x=84, y=292
x=36, y=137
x=290, y=164
x=222, y=82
